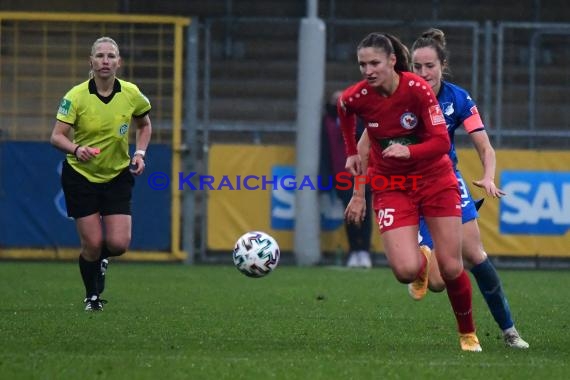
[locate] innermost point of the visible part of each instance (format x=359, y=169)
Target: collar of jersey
x=104, y=99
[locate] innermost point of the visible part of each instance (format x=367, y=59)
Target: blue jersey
x=458, y=109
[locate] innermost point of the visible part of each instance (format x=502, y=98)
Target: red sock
x=459, y=293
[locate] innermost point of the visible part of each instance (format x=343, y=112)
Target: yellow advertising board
x=532, y=220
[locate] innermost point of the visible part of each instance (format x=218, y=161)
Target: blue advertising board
x=32, y=206
x=538, y=202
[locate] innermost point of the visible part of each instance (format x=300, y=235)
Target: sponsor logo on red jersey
x=436, y=115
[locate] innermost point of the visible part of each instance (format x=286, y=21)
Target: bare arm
x=60, y=139
x=144, y=132
x=363, y=148
x=486, y=153
x=356, y=209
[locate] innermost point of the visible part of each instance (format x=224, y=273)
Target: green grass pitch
x=166, y=321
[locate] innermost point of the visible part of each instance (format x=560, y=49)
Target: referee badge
x=64, y=107
x=123, y=129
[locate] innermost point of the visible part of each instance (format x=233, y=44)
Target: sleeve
x=141, y=102
x=468, y=113
x=435, y=139
x=67, y=111
x=347, y=121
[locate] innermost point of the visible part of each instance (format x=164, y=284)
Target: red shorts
x=431, y=196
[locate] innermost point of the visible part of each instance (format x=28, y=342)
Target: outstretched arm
x=487, y=156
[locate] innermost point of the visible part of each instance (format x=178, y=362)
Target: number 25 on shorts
x=386, y=217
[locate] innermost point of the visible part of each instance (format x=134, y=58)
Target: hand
x=85, y=153
x=396, y=151
x=354, y=165
x=489, y=185
x=356, y=210
x=137, y=165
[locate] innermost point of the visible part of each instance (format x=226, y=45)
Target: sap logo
x=537, y=203
x=283, y=204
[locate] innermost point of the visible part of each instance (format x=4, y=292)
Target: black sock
x=89, y=271
x=105, y=253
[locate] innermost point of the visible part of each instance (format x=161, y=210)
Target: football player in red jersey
x=408, y=137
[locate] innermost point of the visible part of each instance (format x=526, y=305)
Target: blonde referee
x=96, y=178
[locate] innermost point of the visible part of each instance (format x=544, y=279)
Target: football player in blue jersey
x=430, y=61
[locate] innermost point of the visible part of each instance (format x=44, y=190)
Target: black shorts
x=84, y=198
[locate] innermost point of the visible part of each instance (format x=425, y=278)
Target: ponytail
x=391, y=45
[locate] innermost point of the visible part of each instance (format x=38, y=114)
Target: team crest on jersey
x=64, y=107
x=408, y=120
x=447, y=108
x=123, y=129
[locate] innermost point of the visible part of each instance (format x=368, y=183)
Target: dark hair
x=391, y=45
x=435, y=39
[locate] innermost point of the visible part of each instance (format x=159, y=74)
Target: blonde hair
x=98, y=41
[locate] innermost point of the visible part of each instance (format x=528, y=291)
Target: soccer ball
x=256, y=254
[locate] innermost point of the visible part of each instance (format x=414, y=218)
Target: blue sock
x=492, y=290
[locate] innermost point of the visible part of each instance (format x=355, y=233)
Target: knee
x=450, y=269
x=405, y=274
x=474, y=257
x=450, y=266
x=117, y=248
x=436, y=285
x=91, y=249
x=451, y=272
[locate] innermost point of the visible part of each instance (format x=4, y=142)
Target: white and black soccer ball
x=256, y=254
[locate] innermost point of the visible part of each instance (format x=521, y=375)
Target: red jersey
x=410, y=116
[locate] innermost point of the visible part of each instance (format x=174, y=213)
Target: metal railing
x=535, y=131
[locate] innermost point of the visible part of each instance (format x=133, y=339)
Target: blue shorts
x=468, y=212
